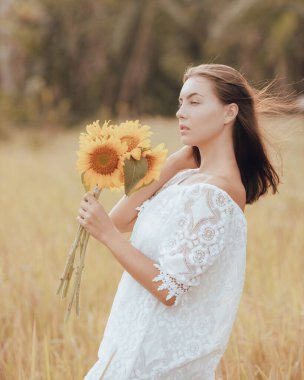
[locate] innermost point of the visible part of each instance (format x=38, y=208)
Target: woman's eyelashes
x=191, y=102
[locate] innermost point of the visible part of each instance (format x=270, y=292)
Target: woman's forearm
x=139, y=266
x=124, y=212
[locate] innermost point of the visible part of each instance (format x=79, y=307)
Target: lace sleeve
x=197, y=243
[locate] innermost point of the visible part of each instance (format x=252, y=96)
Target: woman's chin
x=186, y=140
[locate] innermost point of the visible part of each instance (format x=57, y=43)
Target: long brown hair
x=257, y=172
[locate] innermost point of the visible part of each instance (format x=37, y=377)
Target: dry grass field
x=39, y=198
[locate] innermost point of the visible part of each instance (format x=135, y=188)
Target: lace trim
x=168, y=282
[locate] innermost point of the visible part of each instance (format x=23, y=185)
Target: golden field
x=39, y=199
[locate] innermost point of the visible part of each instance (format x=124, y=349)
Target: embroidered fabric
x=196, y=235
x=196, y=243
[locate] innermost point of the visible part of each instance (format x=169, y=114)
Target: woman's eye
x=180, y=104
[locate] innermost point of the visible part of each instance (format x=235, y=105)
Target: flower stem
x=96, y=193
x=81, y=267
x=82, y=241
x=77, y=285
x=68, y=269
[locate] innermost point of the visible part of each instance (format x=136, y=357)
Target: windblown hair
x=257, y=172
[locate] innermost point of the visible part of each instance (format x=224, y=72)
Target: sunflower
x=135, y=135
x=95, y=131
x=155, y=159
x=101, y=162
x=121, y=181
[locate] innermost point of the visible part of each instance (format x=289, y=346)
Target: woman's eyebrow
x=189, y=96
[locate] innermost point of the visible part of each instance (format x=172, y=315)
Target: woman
x=178, y=297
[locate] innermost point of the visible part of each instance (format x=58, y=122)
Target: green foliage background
x=64, y=61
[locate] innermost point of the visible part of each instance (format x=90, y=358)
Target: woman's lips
x=183, y=129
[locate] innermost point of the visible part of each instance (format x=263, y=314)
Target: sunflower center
x=104, y=160
x=131, y=141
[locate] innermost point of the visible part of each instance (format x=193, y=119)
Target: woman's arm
x=93, y=217
x=124, y=213
x=139, y=266
x=100, y=225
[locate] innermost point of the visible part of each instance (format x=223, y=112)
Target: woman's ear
x=232, y=110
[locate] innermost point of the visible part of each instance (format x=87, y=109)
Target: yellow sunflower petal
x=133, y=134
x=155, y=158
x=136, y=153
x=102, y=161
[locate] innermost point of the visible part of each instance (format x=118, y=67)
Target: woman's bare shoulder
x=234, y=188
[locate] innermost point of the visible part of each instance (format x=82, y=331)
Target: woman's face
x=201, y=111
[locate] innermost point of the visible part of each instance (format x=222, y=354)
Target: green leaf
x=134, y=171
x=86, y=187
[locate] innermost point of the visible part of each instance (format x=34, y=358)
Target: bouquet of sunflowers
x=117, y=157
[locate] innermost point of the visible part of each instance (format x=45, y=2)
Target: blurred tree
x=6, y=48
x=262, y=38
x=74, y=59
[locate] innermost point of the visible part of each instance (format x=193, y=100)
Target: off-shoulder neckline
x=214, y=186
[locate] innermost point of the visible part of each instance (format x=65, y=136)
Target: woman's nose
x=180, y=112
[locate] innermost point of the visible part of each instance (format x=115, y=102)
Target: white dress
x=196, y=235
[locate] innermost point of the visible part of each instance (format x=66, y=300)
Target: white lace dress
x=196, y=235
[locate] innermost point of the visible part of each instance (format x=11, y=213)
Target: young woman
x=178, y=297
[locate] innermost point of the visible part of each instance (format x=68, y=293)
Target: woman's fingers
x=84, y=205
x=82, y=212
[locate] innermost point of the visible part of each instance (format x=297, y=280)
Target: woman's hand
x=93, y=217
x=183, y=158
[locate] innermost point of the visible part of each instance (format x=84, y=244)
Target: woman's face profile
x=201, y=111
